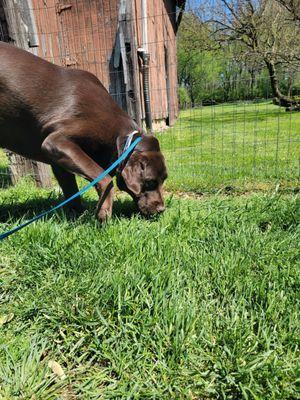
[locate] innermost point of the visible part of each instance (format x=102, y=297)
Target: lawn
x=202, y=303
x=248, y=146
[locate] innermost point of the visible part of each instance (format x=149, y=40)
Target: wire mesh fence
x=247, y=145
x=211, y=104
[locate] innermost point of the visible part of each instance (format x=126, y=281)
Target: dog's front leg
x=61, y=150
x=105, y=204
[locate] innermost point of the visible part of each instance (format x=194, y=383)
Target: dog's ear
x=131, y=177
x=133, y=173
x=121, y=140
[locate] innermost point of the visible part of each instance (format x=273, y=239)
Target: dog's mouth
x=150, y=211
x=145, y=206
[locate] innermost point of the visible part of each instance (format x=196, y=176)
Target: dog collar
x=129, y=140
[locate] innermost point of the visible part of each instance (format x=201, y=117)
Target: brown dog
x=66, y=118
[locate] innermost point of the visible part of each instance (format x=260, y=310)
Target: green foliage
x=183, y=97
x=223, y=73
x=197, y=67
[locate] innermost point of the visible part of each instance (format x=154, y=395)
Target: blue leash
x=83, y=190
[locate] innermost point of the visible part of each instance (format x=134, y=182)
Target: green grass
x=202, y=303
x=249, y=146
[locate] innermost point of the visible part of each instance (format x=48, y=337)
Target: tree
x=264, y=31
x=293, y=6
x=208, y=72
x=193, y=41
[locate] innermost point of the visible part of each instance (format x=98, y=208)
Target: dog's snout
x=160, y=208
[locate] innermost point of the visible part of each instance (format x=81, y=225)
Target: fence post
x=21, y=33
x=20, y=166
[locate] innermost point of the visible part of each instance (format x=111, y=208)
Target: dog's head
x=143, y=175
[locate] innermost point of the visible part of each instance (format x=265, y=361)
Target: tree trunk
x=280, y=98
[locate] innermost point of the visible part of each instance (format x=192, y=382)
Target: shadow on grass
x=30, y=208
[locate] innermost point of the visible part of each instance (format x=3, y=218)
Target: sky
x=190, y=4
x=206, y=6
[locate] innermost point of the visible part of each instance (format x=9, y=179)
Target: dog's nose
x=160, y=209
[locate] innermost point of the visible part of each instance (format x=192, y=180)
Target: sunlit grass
x=200, y=303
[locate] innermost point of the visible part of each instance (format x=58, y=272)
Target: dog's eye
x=150, y=185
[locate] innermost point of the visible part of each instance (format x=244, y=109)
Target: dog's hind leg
x=68, y=184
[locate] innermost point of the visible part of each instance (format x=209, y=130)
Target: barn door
x=96, y=36
x=118, y=76
x=123, y=64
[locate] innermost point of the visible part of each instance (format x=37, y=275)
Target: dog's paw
x=104, y=214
